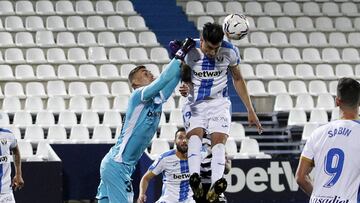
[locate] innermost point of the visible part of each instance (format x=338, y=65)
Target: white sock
x=217, y=162
x=194, y=156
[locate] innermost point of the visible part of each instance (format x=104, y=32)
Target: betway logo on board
x=208, y=73
x=259, y=179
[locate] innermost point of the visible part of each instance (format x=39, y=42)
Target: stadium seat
x=305, y=72
x=107, y=39
x=335, y=113
x=35, y=89
x=273, y=9
x=67, y=72
x=56, y=56
x=55, y=104
x=16, y=131
x=77, y=55
x=285, y=72
x=318, y=116
x=11, y=104
x=176, y=117
x=88, y=72
x=158, y=146
x=349, y=9
x=84, y=7
x=308, y=130
x=127, y=39
x=102, y=134
x=330, y=9
x=247, y=71
x=297, y=117
x=297, y=87
x=233, y=7
x=104, y=7
x=350, y=55
x=138, y=55
x=276, y=87
x=266, y=23
x=25, y=149
x=57, y=134
x=194, y=8
x=100, y=103
x=86, y=39
x=14, y=89
x=325, y=72
x=14, y=23
x=304, y=23
x=325, y=101
x=317, y=87
x=272, y=55
x=95, y=23
x=118, y=55
x=304, y=102
x=291, y=55
x=24, y=39
x=167, y=131
x=311, y=55
x=330, y=55
x=292, y=9
x=159, y=55
x=78, y=89
x=136, y=23
x=121, y=103
x=250, y=149
x=354, y=39
x=34, y=23
x=278, y=39
x=78, y=104
x=344, y=70
x=202, y=20
x=56, y=88
x=283, y=102
x=67, y=119
x=22, y=119
x=237, y=132
x=97, y=55
x=44, y=8
x=148, y=39
x=44, y=38
x=231, y=148
x=65, y=39
x=112, y=119
x=55, y=23
x=5, y=120
x=153, y=68
x=357, y=71
x=318, y=39
x=253, y=8
x=14, y=56
x=120, y=88
x=24, y=72
x=256, y=88
x=343, y=24
x=99, y=88
x=324, y=24
x=75, y=23
x=252, y=54
x=45, y=119
x=64, y=8
x=34, y=134
x=24, y=8
x=6, y=39
x=89, y=119
x=285, y=23
x=6, y=73
x=298, y=39
x=215, y=8
x=311, y=9
x=79, y=134
x=337, y=39
x=116, y=23
x=265, y=72
x=45, y=72
x=125, y=8
x=35, y=55
x=125, y=70
x=333, y=87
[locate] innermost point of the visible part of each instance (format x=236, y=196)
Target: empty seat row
x=272, y=8
x=299, y=71
x=73, y=23
x=70, y=72
x=66, y=7
x=95, y=55
x=317, y=116
x=36, y=104
x=305, y=102
x=308, y=55
x=57, y=88
x=301, y=39
x=295, y=87
x=67, y=39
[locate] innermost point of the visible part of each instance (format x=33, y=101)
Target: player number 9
x=334, y=162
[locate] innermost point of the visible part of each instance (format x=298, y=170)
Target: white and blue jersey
x=209, y=75
x=176, y=176
x=7, y=143
x=334, y=149
x=143, y=115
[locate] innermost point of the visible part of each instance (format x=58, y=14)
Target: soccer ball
x=236, y=26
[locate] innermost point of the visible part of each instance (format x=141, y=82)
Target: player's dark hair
x=132, y=73
x=348, y=91
x=213, y=33
x=179, y=130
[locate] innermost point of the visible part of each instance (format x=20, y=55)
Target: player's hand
x=253, y=119
x=17, y=182
x=184, y=90
x=142, y=198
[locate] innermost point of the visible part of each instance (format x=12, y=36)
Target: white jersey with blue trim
x=7, y=143
x=209, y=75
x=334, y=148
x=176, y=176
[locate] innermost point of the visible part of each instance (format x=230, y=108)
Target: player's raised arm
x=170, y=74
x=18, y=181
x=241, y=89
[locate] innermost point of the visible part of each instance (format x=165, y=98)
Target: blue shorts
x=115, y=184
